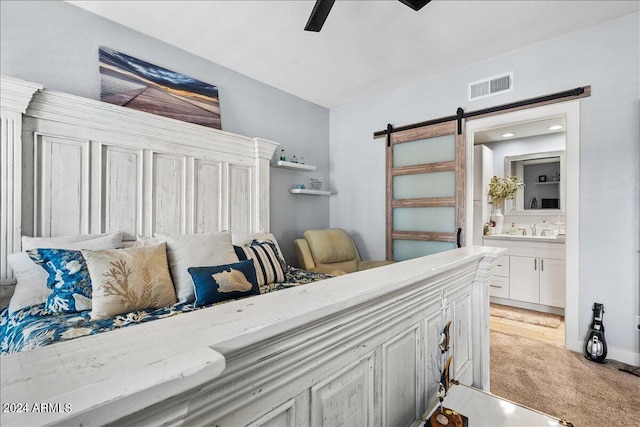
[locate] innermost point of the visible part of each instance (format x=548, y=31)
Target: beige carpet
x=526, y=316
x=563, y=383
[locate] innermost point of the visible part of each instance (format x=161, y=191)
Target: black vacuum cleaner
x=595, y=347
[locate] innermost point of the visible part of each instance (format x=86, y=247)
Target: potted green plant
x=501, y=189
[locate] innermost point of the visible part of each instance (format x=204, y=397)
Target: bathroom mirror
x=544, y=179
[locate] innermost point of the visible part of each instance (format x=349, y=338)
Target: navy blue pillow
x=224, y=282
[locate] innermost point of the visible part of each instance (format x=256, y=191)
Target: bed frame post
x=480, y=332
x=264, y=152
x=15, y=96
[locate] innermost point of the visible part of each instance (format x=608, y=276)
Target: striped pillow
x=269, y=266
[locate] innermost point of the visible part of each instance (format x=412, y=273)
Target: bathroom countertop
x=519, y=237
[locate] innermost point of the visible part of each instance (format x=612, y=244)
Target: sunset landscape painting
x=136, y=84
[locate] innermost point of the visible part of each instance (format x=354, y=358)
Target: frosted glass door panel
x=441, y=219
x=425, y=190
x=408, y=249
x=424, y=185
x=424, y=151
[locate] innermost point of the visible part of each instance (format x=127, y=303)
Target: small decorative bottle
x=513, y=230
x=282, y=156
x=302, y=160
x=294, y=159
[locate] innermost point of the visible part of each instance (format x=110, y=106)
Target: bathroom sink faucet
x=524, y=231
x=533, y=230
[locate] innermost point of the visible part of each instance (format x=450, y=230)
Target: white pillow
x=85, y=241
x=243, y=239
x=195, y=250
x=31, y=287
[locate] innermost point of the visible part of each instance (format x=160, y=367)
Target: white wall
x=56, y=44
x=605, y=56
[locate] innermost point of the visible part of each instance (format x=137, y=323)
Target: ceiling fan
x=323, y=7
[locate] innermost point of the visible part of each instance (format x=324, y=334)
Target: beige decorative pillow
x=131, y=279
x=195, y=250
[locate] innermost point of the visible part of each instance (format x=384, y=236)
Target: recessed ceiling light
x=555, y=127
x=508, y=135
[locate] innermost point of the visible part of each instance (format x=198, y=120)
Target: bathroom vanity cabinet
x=531, y=274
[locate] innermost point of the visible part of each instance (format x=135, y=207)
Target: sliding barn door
x=425, y=191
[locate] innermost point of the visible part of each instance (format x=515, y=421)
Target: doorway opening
x=570, y=112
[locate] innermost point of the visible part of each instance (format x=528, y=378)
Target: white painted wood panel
x=57, y=115
x=207, y=197
x=434, y=323
x=401, y=374
x=240, y=196
x=10, y=123
x=62, y=166
x=122, y=204
x=168, y=194
x=345, y=399
x=462, y=357
x=281, y=416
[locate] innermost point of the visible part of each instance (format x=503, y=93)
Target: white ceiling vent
x=491, y=86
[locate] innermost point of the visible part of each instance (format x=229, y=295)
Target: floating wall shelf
x=293, y=166
x=310, y=192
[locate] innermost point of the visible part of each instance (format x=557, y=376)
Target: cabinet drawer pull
x=495, y=286
x=541, y=265
x=535, y=263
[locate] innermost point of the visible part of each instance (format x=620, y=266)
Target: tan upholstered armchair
x=331, y=251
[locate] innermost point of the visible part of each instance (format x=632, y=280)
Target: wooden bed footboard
x=359, y=349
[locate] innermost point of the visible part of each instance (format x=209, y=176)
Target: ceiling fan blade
x=415, y=4
x=319, y=15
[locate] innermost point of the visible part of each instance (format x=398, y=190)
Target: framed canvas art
x=137, y=84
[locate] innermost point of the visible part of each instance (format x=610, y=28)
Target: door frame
x=571, y=111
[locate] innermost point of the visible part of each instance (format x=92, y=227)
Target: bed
x=34, y=326
x=358, y=349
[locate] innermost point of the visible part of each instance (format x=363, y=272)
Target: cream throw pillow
x=195, y=250
x=131, y=279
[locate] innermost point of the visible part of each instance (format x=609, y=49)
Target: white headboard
x=93, y=167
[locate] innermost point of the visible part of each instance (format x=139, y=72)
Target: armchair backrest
x=333, y=248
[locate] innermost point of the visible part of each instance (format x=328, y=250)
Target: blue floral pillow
x=224, y=282
x=68, y=279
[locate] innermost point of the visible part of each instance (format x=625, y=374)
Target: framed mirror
x=544, y=179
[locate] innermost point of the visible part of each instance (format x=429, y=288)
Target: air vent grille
x=491, y=86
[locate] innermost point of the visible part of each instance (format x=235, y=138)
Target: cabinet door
x=552, y=282
x=502, y=269
x=523, y=283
